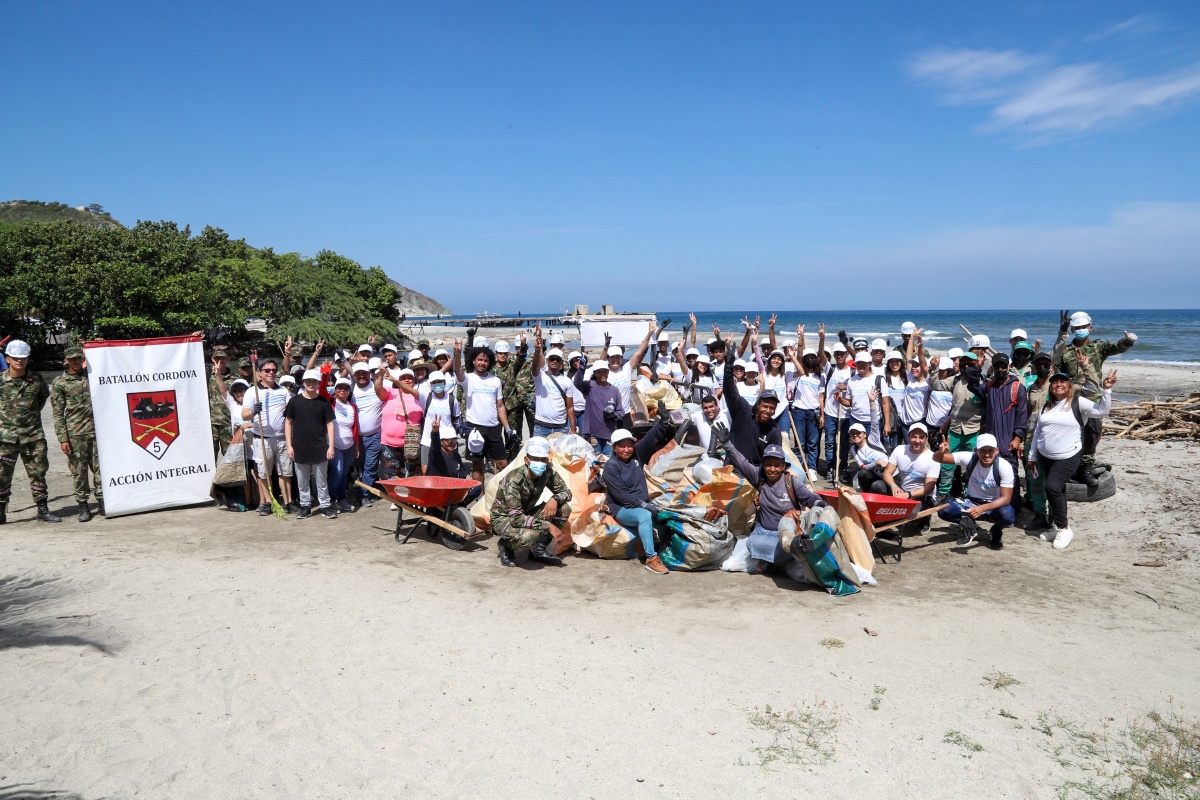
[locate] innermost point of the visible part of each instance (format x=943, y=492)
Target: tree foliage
x=156, y=279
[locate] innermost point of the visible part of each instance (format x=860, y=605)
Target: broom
x=276, y=509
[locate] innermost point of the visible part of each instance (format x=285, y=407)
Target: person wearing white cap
x=23, y=393
x=1082, y=360
x=577, y=363
x=264, y=408
x=400, y=424
x=308, y=431
x=603, y=412
x=836, y=375
x=954, y=354
x=555, y=340
x=912, y=473
x=1018, y=335
x=519, y=517
x=775, y=377
x=664, y=361
x=896, y=378
x=390, y=363
x=862, y=391
x=806, y=391
x=941, y=398
x=514, y=369
x=553, y=397
x=369, y=407
x=441, y=361
x=1058, y=444
x=695, y=377
x=1005, y=415
x=878, y=351
x=871, y=462
x=439, y=407
x=990, y=490
x=966, y=415
x=621, y=375
x=365, y=351
x=752, y=426
x=345, y=443
x=483, y=394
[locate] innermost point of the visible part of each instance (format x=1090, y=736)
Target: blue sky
x=717, y=156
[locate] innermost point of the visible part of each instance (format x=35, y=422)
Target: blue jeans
x=370, y=457
x=809, y=432
x=1002, y=517
x=546, y=430
x=764, y=545
x=843, y=437
x=783, y=421
x=339, y=473
x=639, y=522
x=602, y=447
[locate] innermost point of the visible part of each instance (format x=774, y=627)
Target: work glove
x=650, y=506
x=258, y=407
x=610, y=414
x=730, y=356
x=1064, y=321
x=843, y=338
x=607, y=342
x=820, y=504
x=720, y=433
x=666, y=323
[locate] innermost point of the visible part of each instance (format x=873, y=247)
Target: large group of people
x=980, y=431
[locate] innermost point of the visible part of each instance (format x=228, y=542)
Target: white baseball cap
x=918, y=426
x=878, y=344
x=437, y=375
x=574, y=355
x=388, y=347
x=1018, y=333
x=414, y=355
x=764, y=340
x=1080, y=319
x=555, y=339
x=406, y=372
x=839, y=348
x=475, y=442
x=311, y=375
x=857, y=428
x=374, y=362
x=896, y=354
x=615, y=351
x=862, y=358
x=664, y=337
x=538, y=447
x=751, y=366
x=17, y=349
x=691, y=351
x=908, y=329
x=554, y=352
x=789, y=342
x=481, y=341
x=360, y=367
x=985, y=440
x=945, y=363
x=365, y=348
x=287, y=379
x=242, y=383
x=599, y=366
x=503, y=347
x=440, y=352
x=711, y=341
x=342, y=382
x=703, y=358
x=980, y=340
x=620, y=435
x=955, y=352
x=808, y=351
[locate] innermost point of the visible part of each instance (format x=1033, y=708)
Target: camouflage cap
x=422, y=342
x=74, y=351
x=243, y=362
x=296, y=351
x=220, y=351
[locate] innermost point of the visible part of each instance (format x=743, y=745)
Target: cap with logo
x=774, y=451
x=980, y=340
x=1022, y=345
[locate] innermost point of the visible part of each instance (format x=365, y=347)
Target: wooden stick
x=411, y=510
x=927, y=512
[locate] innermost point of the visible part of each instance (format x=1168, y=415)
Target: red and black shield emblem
x=153, y=421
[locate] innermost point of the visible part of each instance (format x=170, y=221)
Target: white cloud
x=1033, y=98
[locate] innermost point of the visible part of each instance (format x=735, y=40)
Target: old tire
x=1079, y=492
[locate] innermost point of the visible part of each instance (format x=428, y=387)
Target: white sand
x=227, y=656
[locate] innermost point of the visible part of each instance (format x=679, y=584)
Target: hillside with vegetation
x=19, y=211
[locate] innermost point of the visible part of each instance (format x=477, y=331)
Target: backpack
x=974, y=462
x=455, y=421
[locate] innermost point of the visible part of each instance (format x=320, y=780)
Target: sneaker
x=924, y=527
x=292, y=508
x=655, y=565
x=264, y=509
x=1063, y=539
x=1039, y=522
x=966, y=533
x=344, y=505
x=394, y=507
x=996, y=542
x=303, y=513
x=367, y=502
x=329, y=512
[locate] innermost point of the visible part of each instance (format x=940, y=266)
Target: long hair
x=1072, y=390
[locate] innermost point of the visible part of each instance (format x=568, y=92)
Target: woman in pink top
x=401, y=409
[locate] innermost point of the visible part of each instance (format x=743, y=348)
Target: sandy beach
x=200, y=653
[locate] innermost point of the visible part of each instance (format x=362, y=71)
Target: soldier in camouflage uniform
x=519, y=518
x=219, y=378
x=515, y=371
x=71, y=402
x=23, y=394
x=1077, y=355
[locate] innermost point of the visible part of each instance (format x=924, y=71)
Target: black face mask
x=1042, y=370
x=810, y=363
x=1021, y=358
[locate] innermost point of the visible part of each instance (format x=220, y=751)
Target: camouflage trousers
x=37, y=463
x=85, y=458
x=519, y=537
x=222, y=436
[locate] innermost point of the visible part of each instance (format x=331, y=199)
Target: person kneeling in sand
x=781, y=498
x=519, y=517
x=990, y=486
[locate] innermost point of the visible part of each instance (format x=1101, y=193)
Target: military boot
x=3, y=513
x=44, y=514
x=543, y=551
x=85, y=513
x=507, y=555
x=100, y=508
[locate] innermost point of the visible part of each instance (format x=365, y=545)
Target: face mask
x=1042, y=370
x=1021, y=359
x=438, y=388
x=537, y=467
x=1080, y=335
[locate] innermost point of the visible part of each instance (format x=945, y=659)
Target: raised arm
x=822, y=359
x=641, y=351
x=771, y=331
x=380, y=392
x=459, y=375
x=539, y=357
x=312, y=360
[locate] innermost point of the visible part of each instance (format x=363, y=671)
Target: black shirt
x=308, y=427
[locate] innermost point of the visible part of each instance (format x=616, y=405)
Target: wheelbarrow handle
x=412, y=510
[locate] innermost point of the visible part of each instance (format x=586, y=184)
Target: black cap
x=1042, y=355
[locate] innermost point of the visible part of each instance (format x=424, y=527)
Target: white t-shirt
x=912, y=471
x=835, y=377
x=666, y=366
x=1058, y=435
x=235, y=411
x=868, y=455
x=444, y=408
x=981, y=483
x=623, y=379
x=274, y=402
x=750, y=393
x=704, y=427
x=914, y=401
x=938, y=410
x=343, y=425
x=481, y=394
x=778, y=384
x=808, y=390
x=549, y=404
x=370, y=409
x=860, y=390
x=879, y=369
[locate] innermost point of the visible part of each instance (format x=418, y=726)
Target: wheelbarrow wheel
x=461, y=519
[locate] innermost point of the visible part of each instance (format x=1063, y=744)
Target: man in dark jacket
x=752, y=428
x=1005, y=414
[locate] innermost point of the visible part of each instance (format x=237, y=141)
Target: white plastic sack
x=739, y=560
x=573, y=445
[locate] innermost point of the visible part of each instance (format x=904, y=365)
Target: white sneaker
x=395, y=507
x=1063, y=539
x=813, y=477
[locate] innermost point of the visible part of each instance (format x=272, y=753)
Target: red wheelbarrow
x=426, y=495
x=886, y=512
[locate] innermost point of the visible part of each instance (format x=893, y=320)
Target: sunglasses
x=265, y=369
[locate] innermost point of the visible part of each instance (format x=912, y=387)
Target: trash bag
x=822, y=567
x=573, y=445
x=599, y=534
x=653, y=392
x=731, y=494
x=232, y=469
x=739, y=557
x=690, y=542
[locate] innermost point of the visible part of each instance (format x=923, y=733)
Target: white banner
x=627, y=330
x=150, y=403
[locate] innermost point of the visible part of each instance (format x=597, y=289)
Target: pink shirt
x=395, y=420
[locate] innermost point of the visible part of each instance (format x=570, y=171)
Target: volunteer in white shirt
x=989, y=491
x=806, y=391
x=485, y=412
x=709, y=414
x=871, y=462
x=438, y=401
x=836, y=375
x=266, y=417
x=370, y=427
x=911, y=471
x=1057, y=445
x=345, y=443
x=553, y=395
x=621, y=374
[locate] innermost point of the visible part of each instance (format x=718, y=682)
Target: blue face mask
x=537, y=467
x=438, y=388
x=1080, y=335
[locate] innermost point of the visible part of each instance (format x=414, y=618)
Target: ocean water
x=1164, y=335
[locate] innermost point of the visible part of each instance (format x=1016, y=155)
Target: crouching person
x=990, y=483
x=781, y=497
x=628, y=499
x=519, y=517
